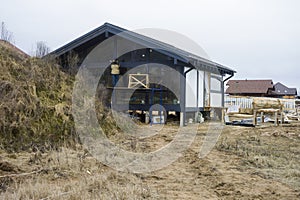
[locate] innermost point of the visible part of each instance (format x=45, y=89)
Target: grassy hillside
x=35, y=102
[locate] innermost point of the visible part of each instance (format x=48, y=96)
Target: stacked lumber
x=267, y=103
x=235, y=114
x=238, y=116
x=293, y=116
x=270, y=106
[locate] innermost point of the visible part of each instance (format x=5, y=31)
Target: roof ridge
x=251, y=80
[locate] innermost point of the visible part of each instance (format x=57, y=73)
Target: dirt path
x=217, y=176
x=74, y=174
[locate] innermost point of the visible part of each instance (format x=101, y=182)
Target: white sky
x=257, y=38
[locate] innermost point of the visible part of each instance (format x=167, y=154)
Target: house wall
x=191, y=88
x=216, y=93
x=205, y=85
x=288, y=97
x=206, y=92
x=201, y=89
x=249, y=95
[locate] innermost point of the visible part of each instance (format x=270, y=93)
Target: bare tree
x=41, y=49
x=72, y=62
x=5, y=34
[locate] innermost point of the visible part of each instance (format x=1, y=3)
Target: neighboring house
x=260, y=88
x=255, y=88
x=137, y=53
x=282, y=91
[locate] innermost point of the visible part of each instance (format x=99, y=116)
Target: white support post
x=182, y=119
x=254, y=118
x=276, y=118
x=262, y=117
x=147, y=117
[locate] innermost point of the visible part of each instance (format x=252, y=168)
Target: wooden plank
x=254, y=118
x=268, y=110
x=136, y=80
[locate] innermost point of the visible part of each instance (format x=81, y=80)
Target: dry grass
x=246, y=164
x=273, y=151
x=70, y=174
x=35, y=122
x=35, y=102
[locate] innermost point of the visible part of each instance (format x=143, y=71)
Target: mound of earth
x=35, y=99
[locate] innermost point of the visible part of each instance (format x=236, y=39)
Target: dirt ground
x=246, y=163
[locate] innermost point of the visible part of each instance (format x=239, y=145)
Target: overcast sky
x=260, y=39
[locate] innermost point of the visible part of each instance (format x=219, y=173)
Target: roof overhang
x=190, y=59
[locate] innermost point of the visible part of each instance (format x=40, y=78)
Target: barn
x=152, y=75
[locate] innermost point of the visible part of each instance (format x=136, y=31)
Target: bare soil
x=246, y=163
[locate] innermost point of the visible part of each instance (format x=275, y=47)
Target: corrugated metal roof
x=167, y=49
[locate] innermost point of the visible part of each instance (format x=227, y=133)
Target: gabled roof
x=249, y=86
x=280, y=89
x=187, y=57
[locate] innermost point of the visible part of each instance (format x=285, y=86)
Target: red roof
x=249, y=86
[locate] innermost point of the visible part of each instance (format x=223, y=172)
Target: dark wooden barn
x=199, y=81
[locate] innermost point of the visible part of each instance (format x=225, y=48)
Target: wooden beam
x=136, y=80
x=175, y=61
